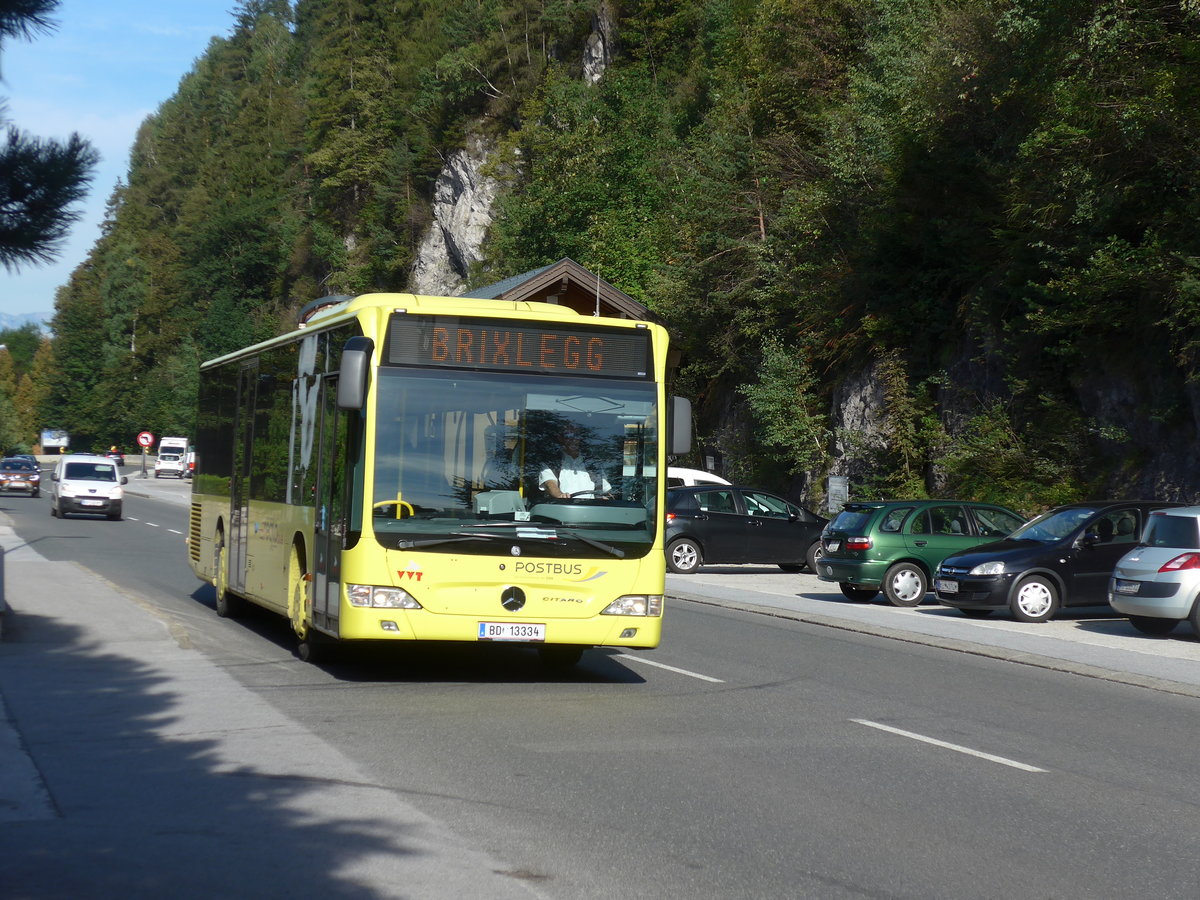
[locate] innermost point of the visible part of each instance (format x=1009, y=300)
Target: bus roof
x=347, y=309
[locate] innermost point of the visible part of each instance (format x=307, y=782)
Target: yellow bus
x=440, y=469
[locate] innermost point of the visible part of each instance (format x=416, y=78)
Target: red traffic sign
x=145, y=439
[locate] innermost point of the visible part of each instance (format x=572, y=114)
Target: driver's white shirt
x=572, y=477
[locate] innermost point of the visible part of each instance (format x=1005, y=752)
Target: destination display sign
x=499, y=345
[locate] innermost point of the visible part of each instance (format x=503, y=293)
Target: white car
x=680, y=477
x=86, y=484
x=169, y=464
x=1157, y=584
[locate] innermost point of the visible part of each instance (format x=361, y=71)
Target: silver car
x=1157, y=584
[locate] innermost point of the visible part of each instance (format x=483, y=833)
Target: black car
x=718, y=523
x=116, y=456
x=1064, y=557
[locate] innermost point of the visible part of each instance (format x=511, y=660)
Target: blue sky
x=108, y=65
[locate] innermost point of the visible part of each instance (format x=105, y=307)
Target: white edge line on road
x=956, y=747
x=174, y=531
x=651, y=662
x=153, y=524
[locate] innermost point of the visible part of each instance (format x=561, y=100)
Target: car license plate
x=946, y=587
x=1127, y=587
x=832, y=545
x=511, y=631
x=91, y=502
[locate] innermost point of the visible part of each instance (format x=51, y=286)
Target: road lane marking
x=174, y=531
x=153, y=524
x=956, y=747
x=650, y=662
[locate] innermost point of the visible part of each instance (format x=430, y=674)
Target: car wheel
x=857, y=594
x=905, y=585
x=790, y=568
x=976, y=613
x=1194, y=618
x=810, y=558
x=36, y=494
x=1034, y=600
x=683, y=556
x=1153, y=625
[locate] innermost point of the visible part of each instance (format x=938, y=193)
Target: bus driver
x=574, y=476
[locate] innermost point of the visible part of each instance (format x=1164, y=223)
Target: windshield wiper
x=599, y=545
x=433, y=542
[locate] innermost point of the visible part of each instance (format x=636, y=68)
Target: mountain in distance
x=16, y=320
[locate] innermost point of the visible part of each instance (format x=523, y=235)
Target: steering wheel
x=593, y=493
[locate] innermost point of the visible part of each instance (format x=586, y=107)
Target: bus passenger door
x=243, y=447
x=330, y=520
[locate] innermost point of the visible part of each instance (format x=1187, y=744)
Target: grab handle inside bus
x=679, y=440
x=352, y=377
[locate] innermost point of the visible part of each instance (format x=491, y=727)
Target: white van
x=83, y=483
x=679, y=477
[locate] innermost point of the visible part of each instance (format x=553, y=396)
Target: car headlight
x=988, y=568
x=635, y=605
x=371, y=595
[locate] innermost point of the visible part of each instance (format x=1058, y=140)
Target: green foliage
x=992, y=460
x=785, y=402
x=991, y=199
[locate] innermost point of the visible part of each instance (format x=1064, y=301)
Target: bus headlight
x=635, y=605
x=371, y=595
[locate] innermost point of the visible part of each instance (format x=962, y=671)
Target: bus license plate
x=511, y=631
x=946, y=587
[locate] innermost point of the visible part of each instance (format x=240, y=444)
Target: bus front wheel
x=560, y=656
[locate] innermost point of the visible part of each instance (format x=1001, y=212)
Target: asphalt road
x=750, y=756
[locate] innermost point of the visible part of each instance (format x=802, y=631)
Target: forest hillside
x=940, y=247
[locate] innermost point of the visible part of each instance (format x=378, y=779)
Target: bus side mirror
x=679, y=435
x=352, y=378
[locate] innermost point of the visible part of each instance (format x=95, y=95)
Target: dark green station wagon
x=896, y=545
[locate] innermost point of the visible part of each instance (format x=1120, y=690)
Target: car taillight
x=858, y=543
x=670, y=517
x=1183, y=561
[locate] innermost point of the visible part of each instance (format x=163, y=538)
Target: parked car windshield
x=1054, y=525
x=1172, y=531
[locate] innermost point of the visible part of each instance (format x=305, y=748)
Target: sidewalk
x=1092, y=641
x=132, y=766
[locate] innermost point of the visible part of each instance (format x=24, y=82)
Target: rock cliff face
x=462, y=213
x=598, y=51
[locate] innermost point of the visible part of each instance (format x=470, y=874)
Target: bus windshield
x=463, y=460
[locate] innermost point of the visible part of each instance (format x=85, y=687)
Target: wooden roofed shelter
x=568, y=284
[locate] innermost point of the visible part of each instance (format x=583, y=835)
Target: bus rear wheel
x=229, y=606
